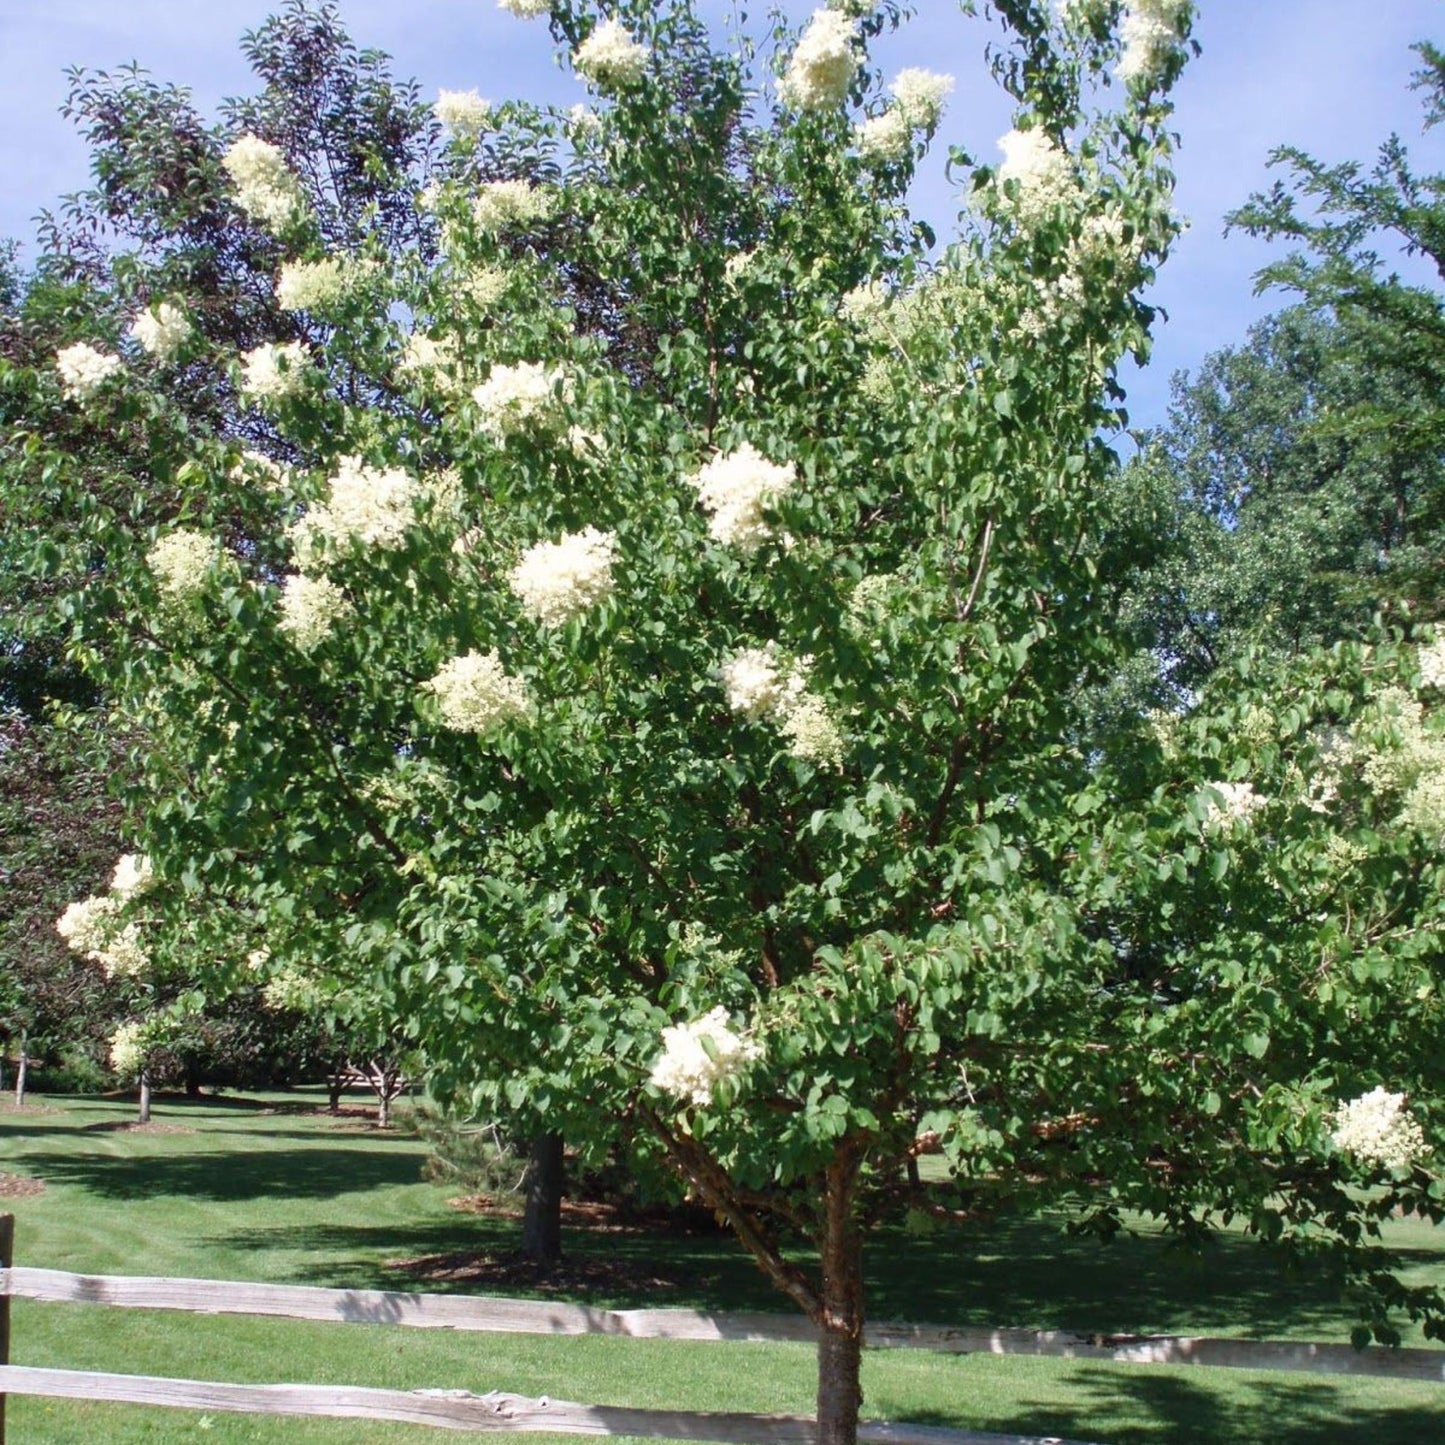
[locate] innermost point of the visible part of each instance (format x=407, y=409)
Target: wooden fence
x=461, y=1410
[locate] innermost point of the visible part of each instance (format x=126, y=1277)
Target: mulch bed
x=574, y=1273
x=134, y=1126
x=578, y=1274
x=20, y=1186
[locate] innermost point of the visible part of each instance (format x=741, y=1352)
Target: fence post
x=7, y=1258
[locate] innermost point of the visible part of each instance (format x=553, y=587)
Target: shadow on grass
x=1030, y=1274
x=1134, y=1407
x=669, y=1270
x=320, y=1171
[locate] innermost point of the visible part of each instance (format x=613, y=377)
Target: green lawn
x=267, y=1190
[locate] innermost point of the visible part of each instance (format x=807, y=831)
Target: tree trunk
x=334, y=1086
x=22, y=1068
x=145, y=1097
x=840, y=1328
x=542, y=1223
x=383, y=1104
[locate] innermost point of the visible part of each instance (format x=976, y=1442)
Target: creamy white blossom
x=920, y=95
x=821, y=68
x=96, y=929
x=134, y=874
x=610, y=56
x=290, y=990
x=463, y=112
x=270, y=372
x=864, y=304
x=584, y=122
x=181, y=561
x=476, y=694
x=485, y=285
x=502, y=204
x=735, y=489
x=84, y=369
x=373, y=506
x=1149, y=30
x=310, y=609
x=884, y=139
x=1231, y=805
x=813, y=733
x=128, y=1049
x=266, y=189
x=1042, y=172
x=1377, y=1129
x=698, y=1056
x=161, y=330
x=312, y=285
x=526, y=9
x=520, y=398
x=759, y=684
x=557, y=581
x=1431, y=661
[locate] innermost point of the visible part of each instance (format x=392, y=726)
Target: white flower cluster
x=181, y=561
x=161, y=330
x=310, y=609
x=1401, y=755
x=428, y=359
x=134, y=874
x=610, y=56
x=1376, y=1129
x=584, y=123
x=1231, y=805
x=128, y=1049
x=502, y=204
x=520, y=398
x=884, y=139
x=265, y=187
x=735, y=489
x=463, y=112
x=313, y=285
x=696, y=1057
x=484, y=286
x=823, y=65
x=864, y=304
x=84, y=370
x=557, y=581
x=920, y=96
x=526, y=9
x=476, y=694
x=758, y=686
x=371, y=505
x=94, y=928
x=1041, y=171
x=762, y=688
x=1150, y=31
x=1431, y=661
x=269, y=373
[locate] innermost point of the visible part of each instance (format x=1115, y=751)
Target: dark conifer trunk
x=542, y=1224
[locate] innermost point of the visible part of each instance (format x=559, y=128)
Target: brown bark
x=145, y=1097
x=840, y=1324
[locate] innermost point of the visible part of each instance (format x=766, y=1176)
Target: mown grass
x=259, y=1190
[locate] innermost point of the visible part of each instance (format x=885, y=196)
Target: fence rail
x=544, y=1317
x=497, y=1411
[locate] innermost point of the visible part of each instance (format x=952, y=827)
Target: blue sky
x=1328, y=75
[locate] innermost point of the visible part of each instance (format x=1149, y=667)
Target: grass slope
x=267, y=1190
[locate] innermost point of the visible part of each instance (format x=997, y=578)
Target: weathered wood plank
x=517, y=1316
x=460, y=1410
